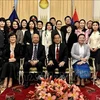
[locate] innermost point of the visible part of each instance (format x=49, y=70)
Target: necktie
x=57, y=54
x=35, y=53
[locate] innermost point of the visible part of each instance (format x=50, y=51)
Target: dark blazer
x=17, y=52
x=40, y=35
x=63, y=53
x=56, y=32
x=40, y=53
x=2, y=38
x=63, y=29
x=71, y=40
x=27, y=37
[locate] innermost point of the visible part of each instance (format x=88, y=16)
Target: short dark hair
x=67, y=17
x=80, y=35
x=12, y=34
x=58, y=21
x=40, y=22
x=52, y=18
x=55, y=35
x=8, y=19
x=34, y=17
x=2, y=19
x=76, y=22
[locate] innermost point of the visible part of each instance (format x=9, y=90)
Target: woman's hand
x=81, y=62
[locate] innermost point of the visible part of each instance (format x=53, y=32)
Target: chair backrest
x=21, y=63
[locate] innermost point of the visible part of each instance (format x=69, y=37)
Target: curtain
x=58, y=8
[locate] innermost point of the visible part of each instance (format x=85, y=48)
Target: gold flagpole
x=72, y=6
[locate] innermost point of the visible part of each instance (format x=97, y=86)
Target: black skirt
x=10, y=70
x=96, y=55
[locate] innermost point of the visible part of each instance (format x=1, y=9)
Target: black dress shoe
x=26, y=85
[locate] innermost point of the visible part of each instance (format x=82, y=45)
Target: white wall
x=96, y=12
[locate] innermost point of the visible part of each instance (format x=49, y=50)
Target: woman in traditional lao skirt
x=80, y=54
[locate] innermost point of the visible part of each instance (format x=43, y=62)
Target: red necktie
x=57, y=54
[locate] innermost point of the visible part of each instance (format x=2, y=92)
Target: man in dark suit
x=34, y=57
x=58, y=56
x=53, y=21
x=40, y=29
x=58, y=30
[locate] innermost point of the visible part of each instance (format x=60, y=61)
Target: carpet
x=90, y=91
x=20, y=92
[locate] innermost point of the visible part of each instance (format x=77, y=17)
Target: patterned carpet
x=90, y=91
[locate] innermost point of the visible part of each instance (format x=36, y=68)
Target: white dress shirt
x=46, y=40
x=67, y=37
x=24, y=31
x=81, y=51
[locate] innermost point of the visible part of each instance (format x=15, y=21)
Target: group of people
x=50, y=47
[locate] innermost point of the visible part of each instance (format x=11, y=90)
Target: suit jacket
x=1, y=39
x=71, y=40
x=40, y=53
x=63, y=29
x=63, y=53
x=27, y=37
x=17, y=52
x=75, y=52
x=55, y=32
x=40, y=35
x=19, y=34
